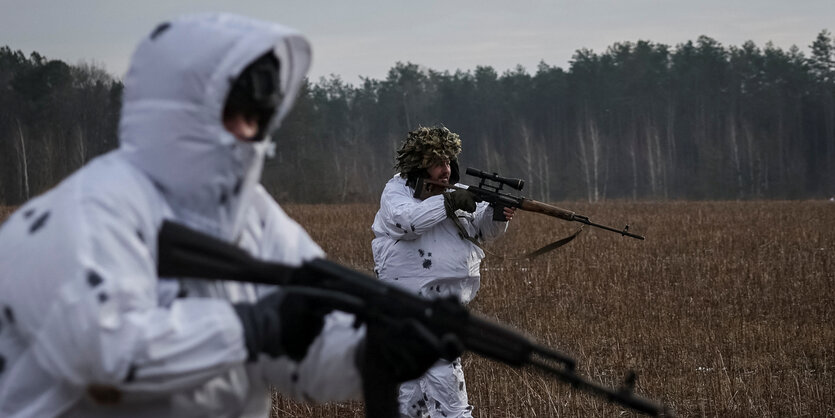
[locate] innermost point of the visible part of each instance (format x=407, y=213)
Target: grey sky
x=366, y=37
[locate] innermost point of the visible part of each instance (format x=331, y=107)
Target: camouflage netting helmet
x=426, y=147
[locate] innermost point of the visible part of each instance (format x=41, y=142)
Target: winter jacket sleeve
x=90, y=309
x=328, y=371
x=401, y=216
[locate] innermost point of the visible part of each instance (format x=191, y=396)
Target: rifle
x=492, y=194
x=187, y=253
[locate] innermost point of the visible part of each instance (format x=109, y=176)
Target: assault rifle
x=190, y=254
x=492, y=193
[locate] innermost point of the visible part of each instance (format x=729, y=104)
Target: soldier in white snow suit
x=87, y=329
x=419, y=245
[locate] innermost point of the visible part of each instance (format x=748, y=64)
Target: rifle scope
x=514, y=183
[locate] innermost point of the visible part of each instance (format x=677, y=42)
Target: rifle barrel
x=623, y=396
x=624, y=231
x=544, y=208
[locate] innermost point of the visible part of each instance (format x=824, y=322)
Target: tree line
x=640, y=121
x=54, y=118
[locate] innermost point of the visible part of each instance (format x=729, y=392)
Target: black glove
x=394, y=352
x=283, y=323
x=459, y=199
x=401, y=350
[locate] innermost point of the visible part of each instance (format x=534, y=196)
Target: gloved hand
x=459, y=199
x=401, y=351
x=394, y=352
x=282, y=323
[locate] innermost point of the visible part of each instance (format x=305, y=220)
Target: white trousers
x=439, y=393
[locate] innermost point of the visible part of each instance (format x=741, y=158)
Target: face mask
x=249, y=156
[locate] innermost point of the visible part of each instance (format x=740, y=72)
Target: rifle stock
x=187, y=253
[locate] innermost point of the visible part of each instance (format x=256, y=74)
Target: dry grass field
x=5, y=211
x=726, y=310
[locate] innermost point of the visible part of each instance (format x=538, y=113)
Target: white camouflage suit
x=418, y=247
x=82, y=311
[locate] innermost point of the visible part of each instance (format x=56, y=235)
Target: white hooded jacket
x=86, y=326
x=416, y=246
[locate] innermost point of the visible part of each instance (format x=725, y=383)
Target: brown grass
x=726, y=310
x=5, y=211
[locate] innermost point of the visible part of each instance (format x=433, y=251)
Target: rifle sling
x=529, y=255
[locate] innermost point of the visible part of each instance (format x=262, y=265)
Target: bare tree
x=588, y=137
x=23, y=164
x=735, y=158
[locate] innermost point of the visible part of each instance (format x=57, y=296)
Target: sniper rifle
x=492, y=194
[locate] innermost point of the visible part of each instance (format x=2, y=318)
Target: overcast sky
x=366, y=38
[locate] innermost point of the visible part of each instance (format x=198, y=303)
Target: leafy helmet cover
x=425, y=147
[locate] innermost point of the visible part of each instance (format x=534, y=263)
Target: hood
x=171, y=125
